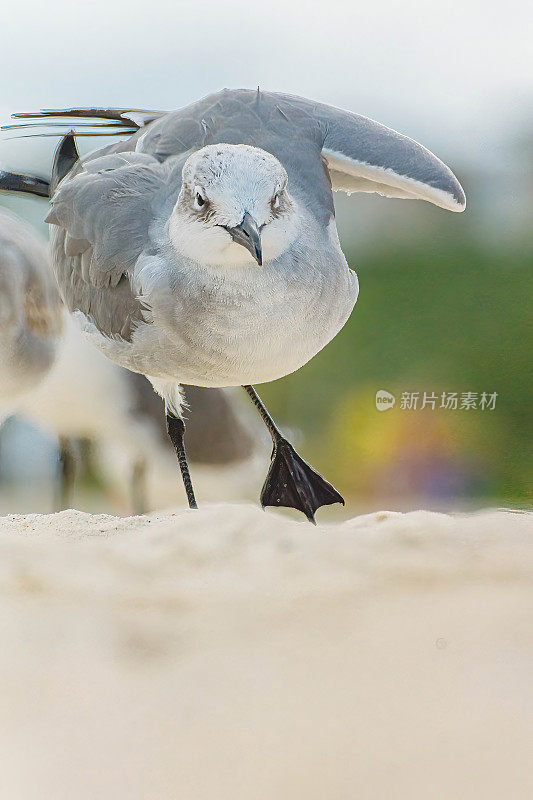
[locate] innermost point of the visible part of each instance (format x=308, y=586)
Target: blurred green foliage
x=440, y=312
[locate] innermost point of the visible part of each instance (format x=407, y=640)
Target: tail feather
x=127, y=117
x=21, y=125
x=120, y=132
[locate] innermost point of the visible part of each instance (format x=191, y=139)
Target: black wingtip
x=119, y=115
x=292, y=483
x=27, y=184
x=65, y=158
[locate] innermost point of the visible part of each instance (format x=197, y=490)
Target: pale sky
x=454, y=75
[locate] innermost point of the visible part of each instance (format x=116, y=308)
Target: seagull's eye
x=275, y=201
x=199, y=201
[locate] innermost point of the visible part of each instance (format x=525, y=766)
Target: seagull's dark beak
x=247, y=234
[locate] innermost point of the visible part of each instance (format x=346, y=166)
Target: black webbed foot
x=292, y=483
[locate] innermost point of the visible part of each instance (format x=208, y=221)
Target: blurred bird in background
x=85, y=396
x=51, y=376
x=31, y=312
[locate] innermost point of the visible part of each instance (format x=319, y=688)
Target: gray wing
x=360, y=155
x=104, y=208
x=364, y=156
x=101, y=214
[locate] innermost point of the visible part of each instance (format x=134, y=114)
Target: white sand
x=231, y=654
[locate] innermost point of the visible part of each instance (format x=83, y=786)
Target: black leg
x=67, y=473
x=291, y=482
x=176, y=429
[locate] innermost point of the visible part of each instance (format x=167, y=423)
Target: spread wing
x=103, y=208
x=361, y=155
x=365, y=156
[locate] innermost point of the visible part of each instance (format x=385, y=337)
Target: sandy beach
x=240, y=655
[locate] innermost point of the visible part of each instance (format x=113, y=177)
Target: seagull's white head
x=233, y=208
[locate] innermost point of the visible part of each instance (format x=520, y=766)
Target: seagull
x=30, y=312
x=203, y=248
